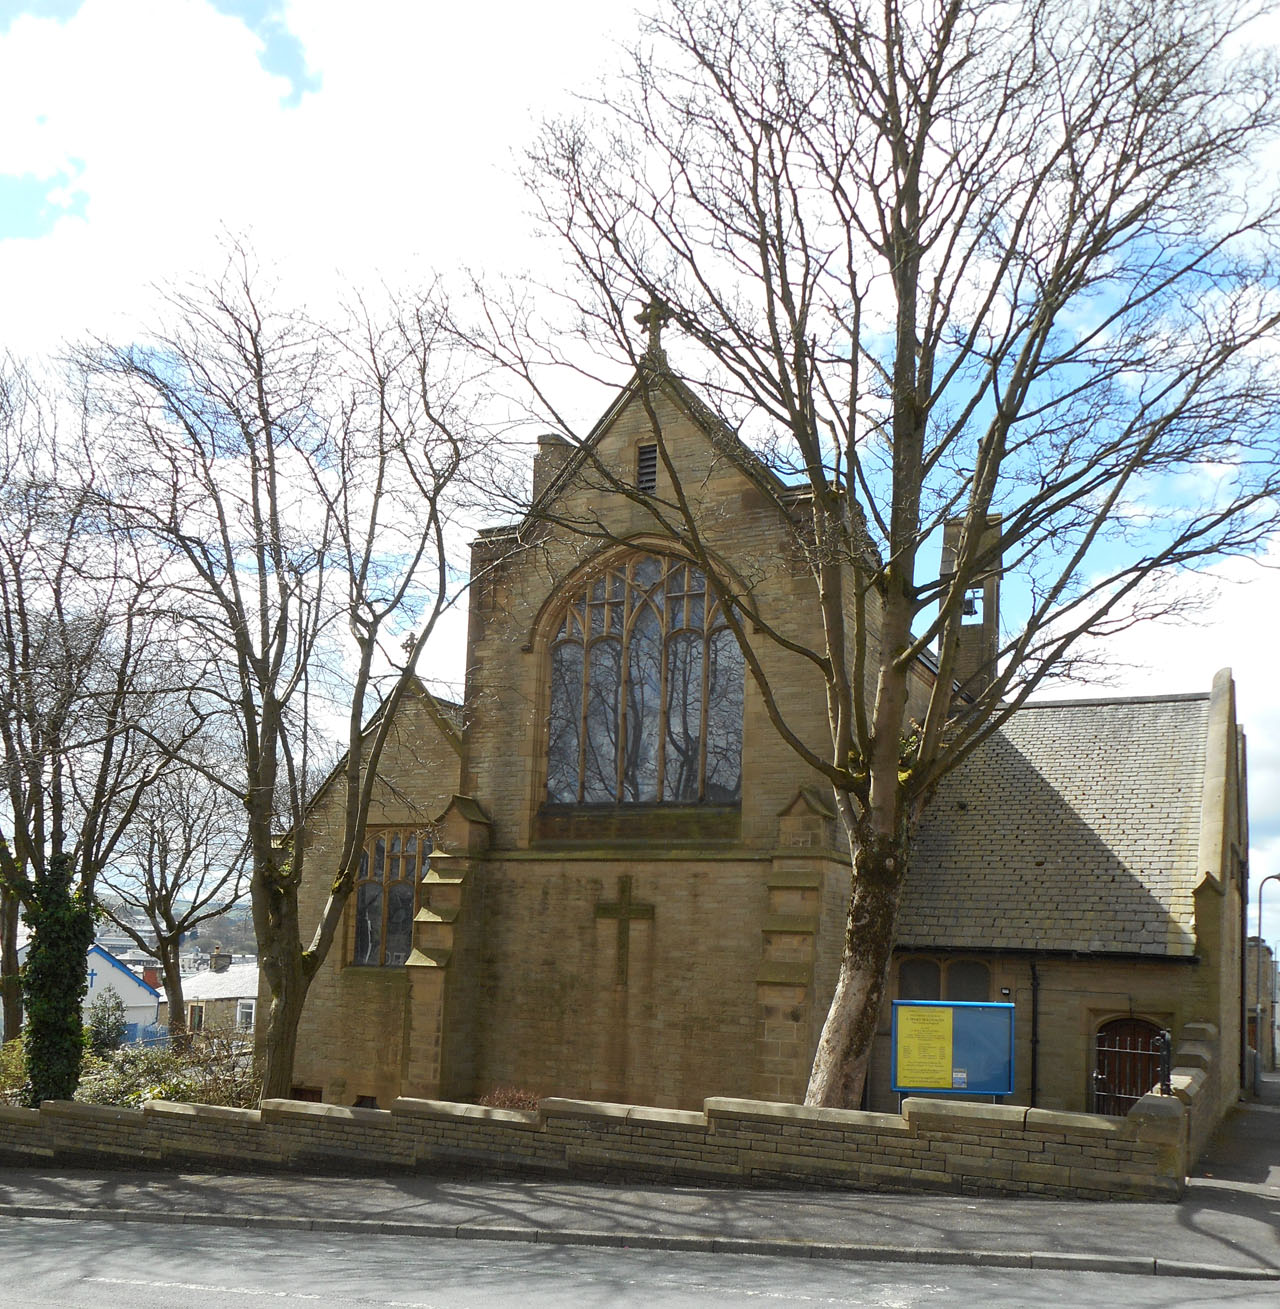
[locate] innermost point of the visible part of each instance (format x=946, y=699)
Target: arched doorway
x=1127, y=1053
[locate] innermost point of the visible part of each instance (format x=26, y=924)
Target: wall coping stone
x=921, y=1106
x=410, y=1107
x=1060, y=1120
x=280, y=1110
x=770, y=1112
x=210, y=1112
x=92, y=1113
x=1159, y=1118
x=12, y=1113
x=558, y=1107
x=1187, y=1083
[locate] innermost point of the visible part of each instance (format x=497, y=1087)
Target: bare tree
x=181, y=863
x=300, y=478
x=79, y=634
x=999, y=269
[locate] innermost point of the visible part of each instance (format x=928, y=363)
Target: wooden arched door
x=1126, y=1064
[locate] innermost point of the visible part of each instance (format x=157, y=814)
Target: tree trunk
x=171, y=976
x=10, y=982
x=281, y=1040
x=844, y=1048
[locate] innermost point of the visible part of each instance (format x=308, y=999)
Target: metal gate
x=1131, y=1056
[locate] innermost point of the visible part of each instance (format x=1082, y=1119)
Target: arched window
x=386, y=895
x=967, y=979
x=919, y=979
x=646, y=691
x=963, y=980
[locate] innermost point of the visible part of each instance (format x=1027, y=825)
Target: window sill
x=696, y=824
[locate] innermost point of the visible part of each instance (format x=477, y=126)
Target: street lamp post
x=1257, y=994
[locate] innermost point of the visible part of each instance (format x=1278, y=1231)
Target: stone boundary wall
x=933, y=1145
x=1196, y=1083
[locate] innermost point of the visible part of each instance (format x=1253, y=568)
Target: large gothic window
x=646, y=691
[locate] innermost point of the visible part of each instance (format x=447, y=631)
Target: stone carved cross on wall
x=626, y=911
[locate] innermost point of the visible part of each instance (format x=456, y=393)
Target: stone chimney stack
x=980, y=621
x=553, y=453
x=219, y=960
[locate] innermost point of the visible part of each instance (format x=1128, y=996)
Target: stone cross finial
x=653, y=316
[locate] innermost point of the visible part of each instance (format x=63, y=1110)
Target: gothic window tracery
x=646, y=691
x=386, y=894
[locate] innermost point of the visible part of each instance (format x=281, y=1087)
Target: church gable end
x=636, y=891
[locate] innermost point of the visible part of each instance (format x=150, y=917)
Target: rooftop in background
x=240, y=981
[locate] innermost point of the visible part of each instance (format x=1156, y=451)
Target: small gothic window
x=386, y=896
x=646, y=691
x=919, y=979
x=967, y=979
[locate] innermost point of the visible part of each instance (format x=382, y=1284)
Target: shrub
x=510, y=1097
x=135, y=1073
x=215, y=1068
x=105, y=1028
x=13, y=1073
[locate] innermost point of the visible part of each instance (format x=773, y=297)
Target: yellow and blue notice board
x=952, y=1047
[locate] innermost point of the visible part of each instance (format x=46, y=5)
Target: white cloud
x=163, y=116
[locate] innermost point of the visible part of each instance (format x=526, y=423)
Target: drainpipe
x=1035, y=1033
x=1257, y=992
x=1244, y=980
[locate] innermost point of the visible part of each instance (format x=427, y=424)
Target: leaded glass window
x=386, y=895
x=646, y=691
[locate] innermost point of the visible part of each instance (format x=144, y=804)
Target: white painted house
x=140, y=1000
x=105, y=970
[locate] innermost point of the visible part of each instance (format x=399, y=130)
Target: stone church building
x=651, y=910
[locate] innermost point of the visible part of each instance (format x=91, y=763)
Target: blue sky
x=360, y=144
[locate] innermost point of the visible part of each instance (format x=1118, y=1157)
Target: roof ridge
x=1171, y=698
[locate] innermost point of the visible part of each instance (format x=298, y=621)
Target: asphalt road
x=93, y=1265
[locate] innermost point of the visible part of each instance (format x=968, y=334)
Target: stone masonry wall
x=931, y=1146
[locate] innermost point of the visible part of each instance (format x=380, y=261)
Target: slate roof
x=238, y=982
x=1076, y=827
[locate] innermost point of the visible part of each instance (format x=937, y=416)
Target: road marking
x=248, y=1290
x=201, y=1286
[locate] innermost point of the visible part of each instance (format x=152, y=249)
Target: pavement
x=1226, y=1226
